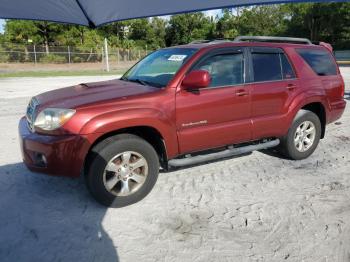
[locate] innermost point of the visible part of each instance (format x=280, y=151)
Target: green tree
x=227, y=25
x=262, y=20
x=117, y=33
x=321, y=22
x=19, y=32
x=158, y=38
x=185, y=28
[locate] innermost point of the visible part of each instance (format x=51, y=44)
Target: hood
x=89, y=93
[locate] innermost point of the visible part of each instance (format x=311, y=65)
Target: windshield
x=158, y=68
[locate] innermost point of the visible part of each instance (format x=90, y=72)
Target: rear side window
x=271, y=67
x=267, y=67
x=321, y=61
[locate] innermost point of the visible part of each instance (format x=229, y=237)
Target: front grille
x=31, y=113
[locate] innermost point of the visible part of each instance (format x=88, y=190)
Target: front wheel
x=122, y=170
x=303, y=136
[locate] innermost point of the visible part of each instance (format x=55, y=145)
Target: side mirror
x=196, y=79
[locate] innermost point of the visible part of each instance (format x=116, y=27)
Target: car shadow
x=347, y=95
x=45, y=218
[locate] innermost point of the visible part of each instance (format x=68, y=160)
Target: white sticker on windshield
x=177, y=58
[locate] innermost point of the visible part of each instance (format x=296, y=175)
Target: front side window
x=224, y=69
x=158, y=68
x=321, y=61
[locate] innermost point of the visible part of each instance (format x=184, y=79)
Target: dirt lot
x=31, y=67
x=253, y=208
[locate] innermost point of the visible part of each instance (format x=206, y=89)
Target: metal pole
x=102, y=58
x=68, y=54
x=35, y=55
x=106, y=55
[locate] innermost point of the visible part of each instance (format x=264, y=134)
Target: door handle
x=291, y=87
x=241, y=93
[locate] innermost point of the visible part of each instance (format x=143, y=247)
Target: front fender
x=113, y=121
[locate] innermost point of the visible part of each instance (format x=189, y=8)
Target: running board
x=179, y=162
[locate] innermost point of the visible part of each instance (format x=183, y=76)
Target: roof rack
x=275, y=39
x=211, y=41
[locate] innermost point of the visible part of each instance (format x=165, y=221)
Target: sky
x=208, y=13
x=2, y=22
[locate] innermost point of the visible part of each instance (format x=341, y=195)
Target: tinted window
x=287, y=69
x=267, y=66
x=320, y=61
x=225, y=69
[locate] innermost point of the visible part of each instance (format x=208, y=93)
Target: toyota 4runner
x=181, y=106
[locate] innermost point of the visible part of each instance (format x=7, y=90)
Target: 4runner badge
x=195, y=123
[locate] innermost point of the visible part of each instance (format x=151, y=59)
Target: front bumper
x=55, y=155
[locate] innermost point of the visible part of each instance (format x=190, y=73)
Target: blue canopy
x=98, y=12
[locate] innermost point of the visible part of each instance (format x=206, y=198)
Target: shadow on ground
x=347, y=95
x=46, y=218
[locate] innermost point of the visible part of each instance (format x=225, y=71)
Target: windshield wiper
x=142, y=82
x=137, y=80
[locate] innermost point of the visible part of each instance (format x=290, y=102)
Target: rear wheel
x=303, y=136
x=122, y=170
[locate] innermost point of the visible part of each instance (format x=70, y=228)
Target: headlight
x=53, y=118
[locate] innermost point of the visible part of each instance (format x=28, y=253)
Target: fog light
x=40, y=160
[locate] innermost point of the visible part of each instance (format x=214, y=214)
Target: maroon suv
x=183, y=106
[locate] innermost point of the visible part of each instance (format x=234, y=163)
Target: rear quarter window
x=321, y=61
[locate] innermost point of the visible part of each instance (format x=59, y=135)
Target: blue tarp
x=98, y=12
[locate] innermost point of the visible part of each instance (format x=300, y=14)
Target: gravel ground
x=253, y=208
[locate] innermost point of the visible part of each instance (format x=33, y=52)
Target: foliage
x=185, y=28
x=328, y=22
x=50, y=58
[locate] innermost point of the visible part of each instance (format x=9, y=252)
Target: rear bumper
x=336, y=110
x=55, y=155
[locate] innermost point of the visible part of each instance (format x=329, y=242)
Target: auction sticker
x=177, y=58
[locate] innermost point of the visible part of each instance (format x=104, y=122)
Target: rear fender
x=301, y=101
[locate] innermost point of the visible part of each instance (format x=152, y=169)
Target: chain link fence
x=15, y=57
x=40, y=55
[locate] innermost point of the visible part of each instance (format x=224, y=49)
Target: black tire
x=103, y=152
x=287, y=146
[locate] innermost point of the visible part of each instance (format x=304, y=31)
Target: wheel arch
x=148, y=133
x=318, y=109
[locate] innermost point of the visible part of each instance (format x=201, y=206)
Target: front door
x=219, y=114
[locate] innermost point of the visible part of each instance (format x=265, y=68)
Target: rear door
x=220, y=114
x=274, y=84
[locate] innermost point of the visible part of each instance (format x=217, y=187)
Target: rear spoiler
x=324, y=44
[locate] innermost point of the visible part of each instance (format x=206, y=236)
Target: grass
x=59, y=73
x=343, y=63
